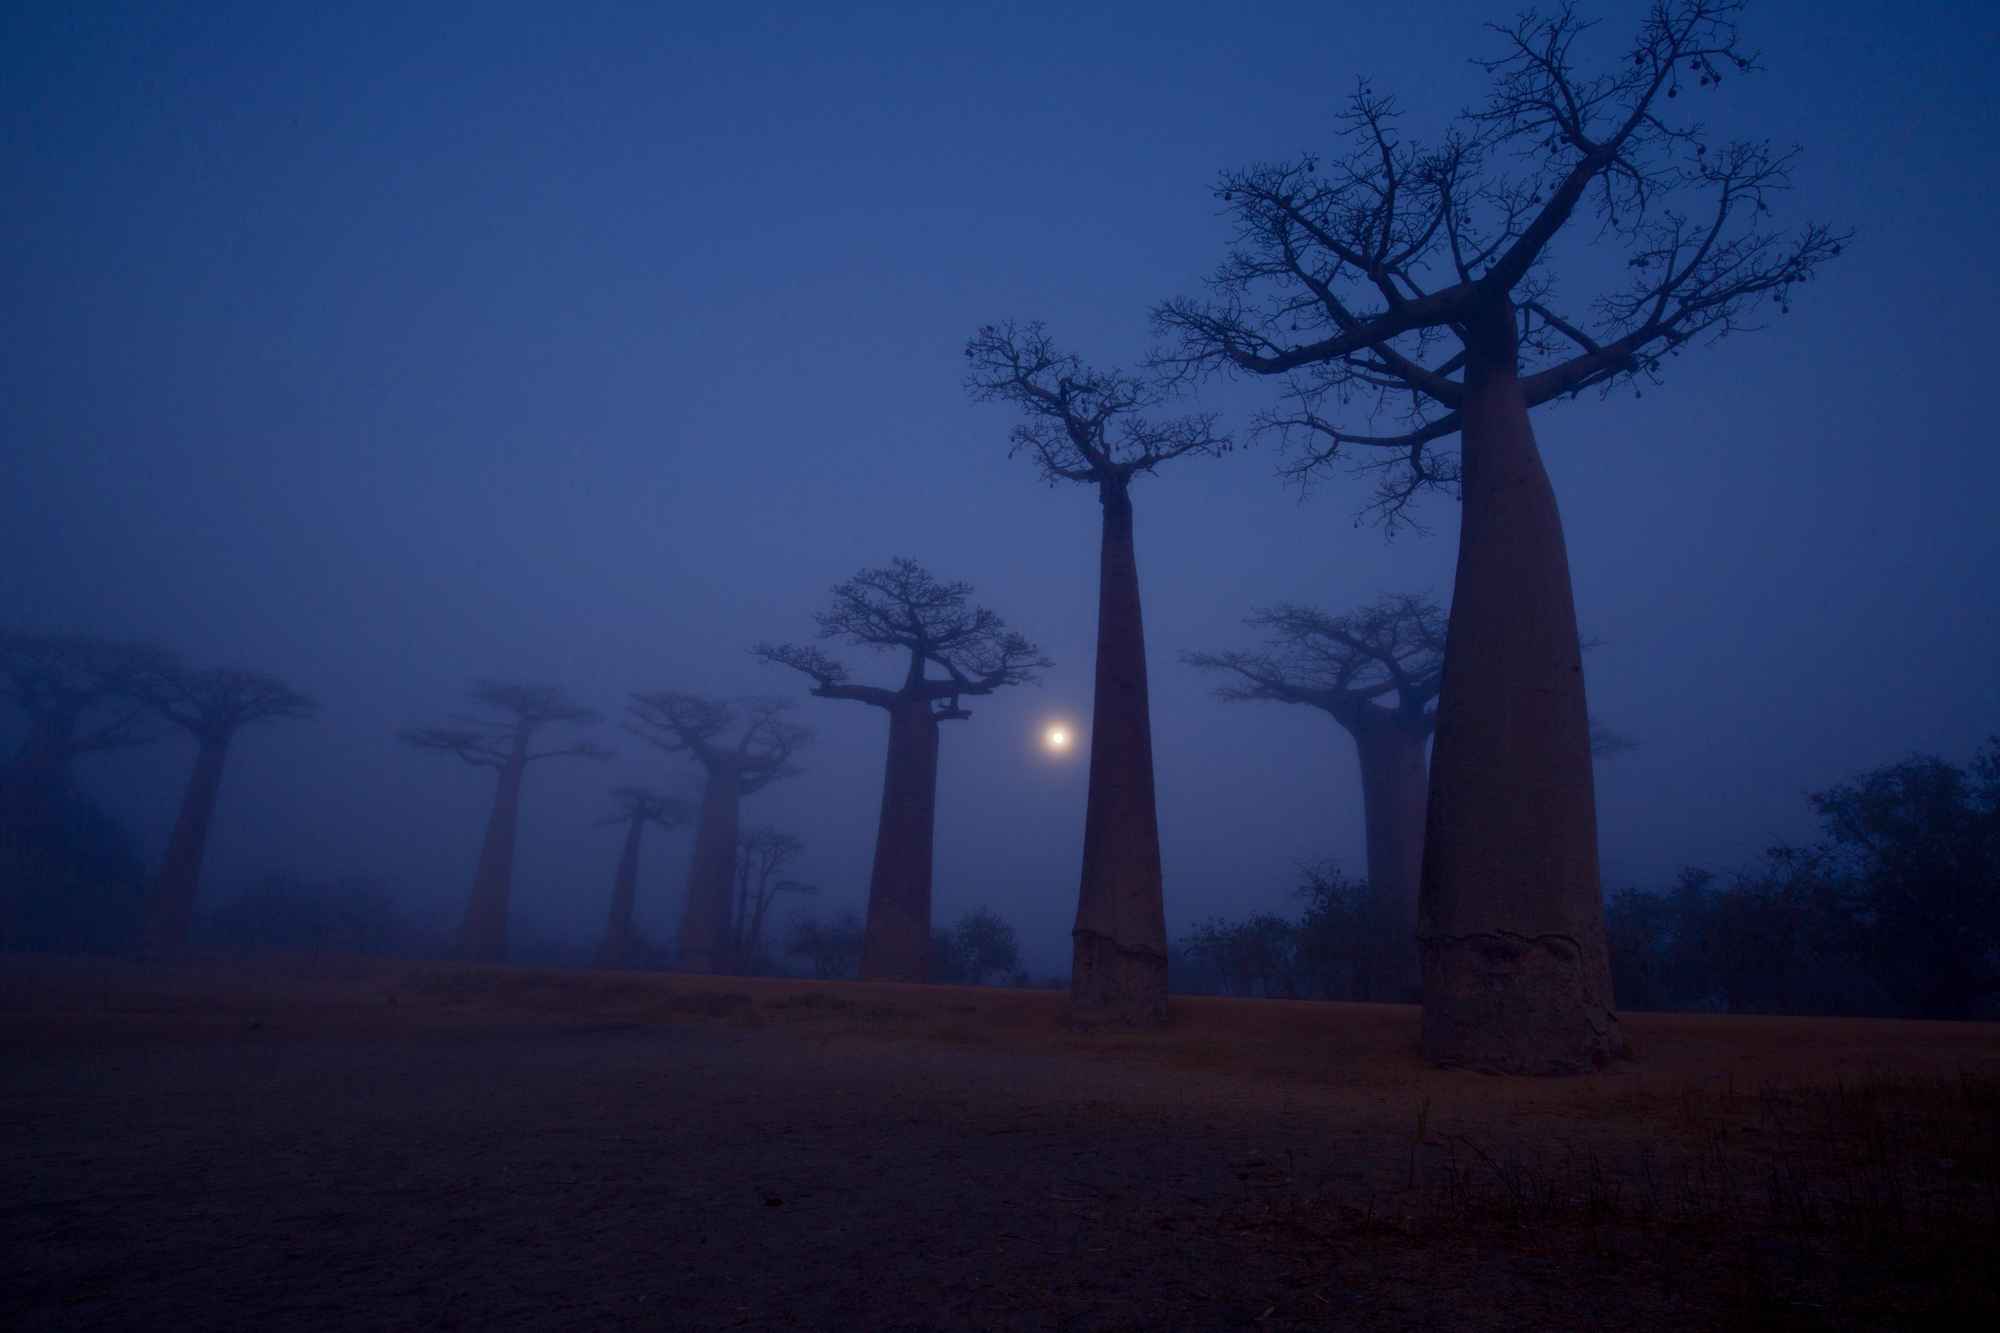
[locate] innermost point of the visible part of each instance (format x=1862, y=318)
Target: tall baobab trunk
x=711, y=879
x=897, y=944
x=1517, y=973
x=171, y=910
x=1394, y=790
x=620, y=939
x=482, y=935
x=1119, y=970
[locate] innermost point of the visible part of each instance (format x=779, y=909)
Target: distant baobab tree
x=503, y=738
x=80, y=694
x=1375, y=671
x=212, y=706
x=1093, y=427
x=1411, y=285
x=637, y=807
x=742, y=747
x=761, y=856
x=901, y=608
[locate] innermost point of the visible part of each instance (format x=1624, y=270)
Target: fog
x=387, y=350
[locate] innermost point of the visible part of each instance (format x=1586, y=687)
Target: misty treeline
x=1894, y=911
x=1408, y=303
x=75, y=881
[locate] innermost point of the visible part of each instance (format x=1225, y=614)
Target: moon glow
x=1056, y=739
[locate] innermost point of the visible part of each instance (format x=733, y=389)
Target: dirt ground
x=374, y=1145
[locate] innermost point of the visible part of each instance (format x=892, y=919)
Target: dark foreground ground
x=413, y=1146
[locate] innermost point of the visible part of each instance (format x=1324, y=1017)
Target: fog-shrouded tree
x=79, y=694
x=636, y=808
x=212, y=706
x=986, y=946
x=742, y=746
x=902, y=608
x=502, y=737
x=1099, y=428
x=761, y=857
x=1375, y=671
x=1405, y=296
x=831, y=948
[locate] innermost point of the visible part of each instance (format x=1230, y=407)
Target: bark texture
x=705, y=924
x=621, y=940
x=1394, y=790
x=1119, y=971
x=1517, y=974
x=897, y=944
x=482, y=934
x=171, y=911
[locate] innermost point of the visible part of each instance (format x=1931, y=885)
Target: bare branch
x=702, y=727
x=479, y=748
x=1082, y=424
x=214, y=703
x=1343, y=664
x=1347, y=278
x=647, y=805
x=492, y=742
x=901, y=607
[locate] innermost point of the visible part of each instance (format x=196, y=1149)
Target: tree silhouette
x=637, y=807
x=901, y=608
x=761, y=853
x=80, y=694
x=212, y=706
x=1092, y=426
x=503, y=739
x=1374, y=671
x=1410, y=286
x=742, y=747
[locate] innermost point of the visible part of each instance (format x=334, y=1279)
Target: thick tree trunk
x=482, y=935
x=1517, y=974
x=621, y=941
x=897, y=945
x=1119, y=972
x=1394, y=791
x=705, y=924
x=171, y=911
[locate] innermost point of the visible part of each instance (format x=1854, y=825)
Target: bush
x=71, y=876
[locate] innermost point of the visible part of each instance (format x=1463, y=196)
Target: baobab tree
x=742, y=747
x=502, y=738
x=901, y=608
x=212, y=706
x=1375, y=671
x=637, y=807
x=1095, y=427
x=80, y=695
x=1403, y=296
x=761, y=854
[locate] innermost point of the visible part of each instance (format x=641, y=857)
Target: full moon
x=1056, y=738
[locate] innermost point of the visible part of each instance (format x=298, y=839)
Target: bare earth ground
x=386, y=1145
